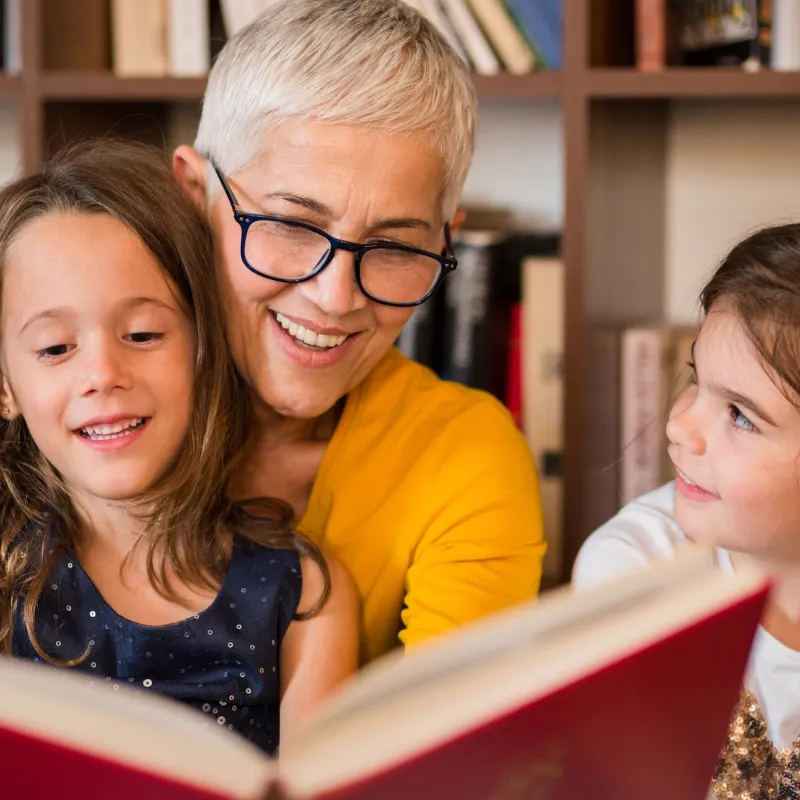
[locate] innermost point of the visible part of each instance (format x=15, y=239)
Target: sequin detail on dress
x=750, y=767
x=223, y=661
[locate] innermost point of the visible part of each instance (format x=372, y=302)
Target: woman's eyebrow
x=309, y=204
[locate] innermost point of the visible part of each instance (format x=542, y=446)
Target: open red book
x=623, y=693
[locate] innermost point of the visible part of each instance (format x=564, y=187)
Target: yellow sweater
x=428, y=494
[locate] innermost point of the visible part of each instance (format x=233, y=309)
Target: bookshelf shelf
x=698, y=82
x=537, y=84
x=107, y=86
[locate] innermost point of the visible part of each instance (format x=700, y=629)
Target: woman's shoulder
x=644, y=530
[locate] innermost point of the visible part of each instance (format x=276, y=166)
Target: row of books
x=747, y=33
x=492, y=36
x=161, y=38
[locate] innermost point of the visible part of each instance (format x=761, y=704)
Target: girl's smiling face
x=735, y=440
x=98, y=353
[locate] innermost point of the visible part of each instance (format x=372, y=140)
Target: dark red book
x=513, y=398
x=623, y=692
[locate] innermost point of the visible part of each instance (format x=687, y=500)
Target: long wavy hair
x=188, y=515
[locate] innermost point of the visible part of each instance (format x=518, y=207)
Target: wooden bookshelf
x=605, y=111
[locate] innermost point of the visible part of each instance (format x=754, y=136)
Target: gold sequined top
x=750, y=767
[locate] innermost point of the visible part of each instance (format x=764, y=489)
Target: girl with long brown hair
x=121, y=419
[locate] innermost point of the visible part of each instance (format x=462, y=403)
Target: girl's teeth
x=115, y=431
x=308, y=337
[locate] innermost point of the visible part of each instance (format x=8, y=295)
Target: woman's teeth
x=305, y=336
x=99, y=433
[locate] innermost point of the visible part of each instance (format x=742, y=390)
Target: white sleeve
x=643, y=530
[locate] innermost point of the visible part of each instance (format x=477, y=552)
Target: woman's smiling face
x=359, y=184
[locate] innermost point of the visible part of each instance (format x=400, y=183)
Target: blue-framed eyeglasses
x=290, y=251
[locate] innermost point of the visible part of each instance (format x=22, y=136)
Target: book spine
x=651, y=35
x=189, y=38
x=543, y=390
x=466, y=336
x=540, y=30
x=139, y=39
x=12, y=36
x=642, y=408
x=513, y=389
x=503, y=35
x=480, y=53
x=417, y=339
x=76, y=35
x=786, y=35
x=433, y=11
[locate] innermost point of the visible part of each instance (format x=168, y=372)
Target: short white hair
x=357, y=62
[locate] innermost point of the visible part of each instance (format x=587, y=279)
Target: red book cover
x=619, y=693
x=651, y=35
x=514, y=373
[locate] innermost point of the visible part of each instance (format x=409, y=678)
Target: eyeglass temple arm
x=227, y=189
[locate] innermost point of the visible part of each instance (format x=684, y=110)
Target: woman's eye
x=54, y=351
x=693, y=376
x=740, y=420
x=144, y=337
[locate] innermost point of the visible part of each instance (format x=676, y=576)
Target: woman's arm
x=318, y=653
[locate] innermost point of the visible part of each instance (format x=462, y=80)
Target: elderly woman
x=334, y=142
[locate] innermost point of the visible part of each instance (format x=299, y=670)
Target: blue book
x=540, y=21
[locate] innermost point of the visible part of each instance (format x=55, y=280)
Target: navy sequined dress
x=223, y=661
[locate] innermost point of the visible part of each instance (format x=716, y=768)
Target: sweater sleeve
x=483, y=544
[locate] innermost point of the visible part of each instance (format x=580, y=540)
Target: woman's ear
x=189, y=168
x=459, y=218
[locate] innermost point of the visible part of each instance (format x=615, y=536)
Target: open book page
x=129, y=726
x=402, y=708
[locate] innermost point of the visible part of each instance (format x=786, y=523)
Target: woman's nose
x=335, y=290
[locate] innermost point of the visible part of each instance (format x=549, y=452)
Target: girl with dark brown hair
x=121, y=422
x=734, y=439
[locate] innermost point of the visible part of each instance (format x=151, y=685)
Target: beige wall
x=731, y=167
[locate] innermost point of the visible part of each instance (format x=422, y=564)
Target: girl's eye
x=693, y=376
x=739, y=420
x=144, y=337
x=54, y=351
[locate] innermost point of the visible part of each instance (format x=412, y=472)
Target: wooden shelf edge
x=107, y=86
x=536, y=84
x=688, y=82
x=10, y=85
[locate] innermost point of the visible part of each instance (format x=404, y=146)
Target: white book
x=480, y=54
x=189, y=40
x=433, y=11
x=785, y=53
x=13, y=36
